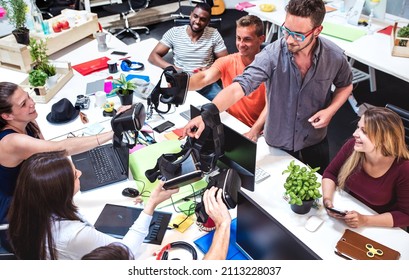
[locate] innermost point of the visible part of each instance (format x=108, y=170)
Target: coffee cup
x=112, y=66
x=100, y=98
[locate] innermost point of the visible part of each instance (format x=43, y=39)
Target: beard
x=295, y=48
x=197, y=30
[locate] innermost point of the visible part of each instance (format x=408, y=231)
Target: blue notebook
x=233, y=253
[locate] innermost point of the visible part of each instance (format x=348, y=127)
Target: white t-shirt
x=74, y=239
x=190, y=55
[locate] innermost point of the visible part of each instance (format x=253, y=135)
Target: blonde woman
x=373, y=167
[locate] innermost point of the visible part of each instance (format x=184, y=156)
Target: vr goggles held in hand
x=131, y=120
x=175, y=94
x=228, y=180
x=198, y=156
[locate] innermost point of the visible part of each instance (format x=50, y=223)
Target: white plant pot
x=51, y=81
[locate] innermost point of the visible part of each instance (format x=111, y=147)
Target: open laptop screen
x=262, y=237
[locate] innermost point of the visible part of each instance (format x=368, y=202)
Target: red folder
x=387, y=30
x=91, y=66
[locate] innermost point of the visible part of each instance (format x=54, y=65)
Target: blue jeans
x=210, y=91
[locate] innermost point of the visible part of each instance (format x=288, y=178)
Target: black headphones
x=126, y=65
x=164, y=252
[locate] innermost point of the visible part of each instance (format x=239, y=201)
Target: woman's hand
x=158, y=195
x=123, y=108
x=354, y=220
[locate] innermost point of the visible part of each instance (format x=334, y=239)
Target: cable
x=164, y=252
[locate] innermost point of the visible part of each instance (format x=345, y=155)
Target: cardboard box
x=43, y=94
x=397, y=43
x=17, y=56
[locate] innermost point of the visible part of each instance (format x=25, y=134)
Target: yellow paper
x=182, y=222
x=171, y=136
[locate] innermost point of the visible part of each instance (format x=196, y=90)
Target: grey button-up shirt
x=292, y=100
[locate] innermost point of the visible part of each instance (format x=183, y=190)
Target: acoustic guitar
x=218, y=7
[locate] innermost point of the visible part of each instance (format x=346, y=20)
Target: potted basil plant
x=302, y=187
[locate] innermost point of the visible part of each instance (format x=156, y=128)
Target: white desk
x=268, y=193
x=85, y=50
x=372, y=50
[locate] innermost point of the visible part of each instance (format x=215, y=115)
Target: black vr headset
x=228, y=180
x=131, y=121
x=198, y=156
x=175, y=94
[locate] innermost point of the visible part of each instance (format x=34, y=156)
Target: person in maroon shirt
x=373, y=167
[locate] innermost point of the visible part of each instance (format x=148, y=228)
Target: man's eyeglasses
x=297, y=36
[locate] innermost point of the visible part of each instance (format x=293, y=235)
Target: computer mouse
x=130, y=192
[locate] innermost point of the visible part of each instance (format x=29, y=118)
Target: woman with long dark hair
x=44, y=222
x=20, y=137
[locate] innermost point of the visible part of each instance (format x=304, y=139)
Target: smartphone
x=119, y=53
x=337, y=211
x=164, y=126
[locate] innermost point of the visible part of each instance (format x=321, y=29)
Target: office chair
x=404, y=115
x=125, y=8
x=52, y=8
x=4, y=254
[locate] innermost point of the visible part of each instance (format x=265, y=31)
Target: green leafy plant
x=49, y=69
x=37, y=78
x=16, y=12
x=38, y=52
x=123, y=86
x=403, y=33
x=301, y=184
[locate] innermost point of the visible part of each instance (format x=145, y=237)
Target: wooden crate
x=398, y=50
x=17, y=56
x=43, y=94
x=65, y=38
x=14, y=56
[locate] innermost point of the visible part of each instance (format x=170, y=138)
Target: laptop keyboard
x=102, y=165
x=261, y=175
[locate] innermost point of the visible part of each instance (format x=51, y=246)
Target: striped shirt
x=190, y=55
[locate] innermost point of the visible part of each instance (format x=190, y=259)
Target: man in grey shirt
x=299, y=70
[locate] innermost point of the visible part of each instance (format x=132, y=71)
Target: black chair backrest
x=404, y=115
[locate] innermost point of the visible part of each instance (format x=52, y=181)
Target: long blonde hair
x=385, y=130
